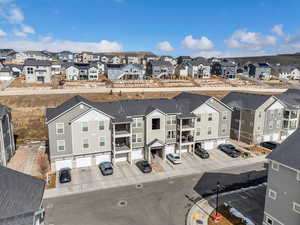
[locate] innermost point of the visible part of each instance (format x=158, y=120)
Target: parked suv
x=106, y=168
x=201, y=152
x=230, y=150
x=174, y=158
x=269, y=144
x=144, y=166
x=65, y=175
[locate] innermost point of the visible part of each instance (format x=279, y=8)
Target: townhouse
x=199, y=68
x=160, y=69
x=64, y=56
x=224, y=67
x=81, y=71
x=21, y=198
x=259, y=70
x=84, y=133
x=7, y=142
x=282, y=201
x=37, y=71
x=168, y=58
x=286, y=72
x=148, y=58
x=132, y=59
x=182, y=69
x=258, y=117
x=125, y=71
x=5, y=73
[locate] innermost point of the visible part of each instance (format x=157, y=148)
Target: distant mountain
x=283, y=59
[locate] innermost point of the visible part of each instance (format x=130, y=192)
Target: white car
x=174, y=158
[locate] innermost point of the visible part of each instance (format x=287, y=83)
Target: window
x=198, y=118
x=101, y=125
x=296, y=207
x=224, y=128
x=210, y=117
x=85, y=126
x=224, y=115
x=61, y=145
x=278, y=123
x=198, y=132
x=272, y=194
x=29, y=70
x=171, y=120
x=85, y=143
x=134, y=138
x=171, y=134
x=102, y=141
x=209, y=130
x=156, y=124
x=137, y=138
x=269, y=221
x=137, y=122
x=60, y=128
x=275, y=166
x=298, y=176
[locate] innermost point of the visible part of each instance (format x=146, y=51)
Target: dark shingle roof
x=4, y=110
x=20, y=196
x=288, y=153
x=182, y=104
x=245, y=100
x=34, y=62
x=161, y=63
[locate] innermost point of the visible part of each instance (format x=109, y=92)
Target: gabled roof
x=35, y=62
x=20, y=196
x=245, y=100
x=288, y=153
x=191, y=101
x=161, y=63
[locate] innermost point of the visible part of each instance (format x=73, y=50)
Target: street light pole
x=217, y=206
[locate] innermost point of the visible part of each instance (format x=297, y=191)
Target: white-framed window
x=137, y=138
x=85, y=144
x=224, y=116
x=210, y=116
x=259, y=115
x=61, y=145
x=272, y=194
x=171, y=120
x=198, y=132
x=101, y=125
x=198, y=118
x=268, y=220
x=209, y=130
x=60, y=128
x=137, y=122
x=298, y=176
x=296, y=207
x=84, y=126
x=102, y=141
x=171, y=134
x=275, y=166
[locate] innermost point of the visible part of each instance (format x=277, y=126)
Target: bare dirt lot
x=28, y=111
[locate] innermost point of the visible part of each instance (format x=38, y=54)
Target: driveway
x=90, y=179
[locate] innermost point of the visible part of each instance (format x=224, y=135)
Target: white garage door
x=84, y=162
x=63, y=164
x=222, y=141
x=275, y=137
x=103, y=158
x=121, y=157
x=169, y=149
x=208, y=145
x=267, y=138
x=184, y=148
x=137, y=154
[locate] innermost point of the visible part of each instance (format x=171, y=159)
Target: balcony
x=187, y=137
x=122, y=129
x=188, y=124
x=290, y=115
x=122, y=144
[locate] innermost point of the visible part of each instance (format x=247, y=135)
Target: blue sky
x=191, y=27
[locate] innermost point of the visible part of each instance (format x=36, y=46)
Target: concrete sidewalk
x=130, y=175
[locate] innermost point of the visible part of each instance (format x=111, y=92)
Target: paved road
x=41, y=91
x=156, y=203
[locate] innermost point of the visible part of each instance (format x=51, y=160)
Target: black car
x=65, y=175
x=202, y=153
x=269, y=145
x=230, y=150
x=144, y=166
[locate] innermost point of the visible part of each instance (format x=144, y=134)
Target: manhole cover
x=138, y=186
x=122, y=203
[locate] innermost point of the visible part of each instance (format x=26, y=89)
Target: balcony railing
x=122, y=147
x=122, y=132
x=187, y=139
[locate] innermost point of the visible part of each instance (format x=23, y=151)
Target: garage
x=169, y=149
x=184, y=148
x=208, y=145
x=63, y=164
x=137, y=154
x=276, y=137
x=221, y=141
x=84, y=162
x=267, y=138
x=103, y=158
x=121, y=157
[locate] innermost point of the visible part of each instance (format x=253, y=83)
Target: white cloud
x=278, y=30
x=202, y=44
x=246, y=40
x=46, y=39
x=57, y=45
x=165, y=46
x=27, y=29
x=2, y=33
x=19, y=33
x=15, y=16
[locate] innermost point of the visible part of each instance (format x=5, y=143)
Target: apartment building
x=84, y=133
x=258, y=117
x=37, y=71
x=282, y=203
x=7, y=142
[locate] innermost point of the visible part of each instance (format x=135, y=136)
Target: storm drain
x=122, y=203
x=139, y=186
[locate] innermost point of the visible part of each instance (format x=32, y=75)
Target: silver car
x=174, y=158
x=106, y=168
